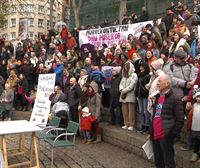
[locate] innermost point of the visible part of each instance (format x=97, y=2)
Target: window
x=13, y=36
x=40, y=23
x=13, y=22
x=13, y=9
x=41, y=9
x=26, y=8
x=31, y=35
x=5, y=36
x=5, y=25
x=31, y=22
x=48, y=24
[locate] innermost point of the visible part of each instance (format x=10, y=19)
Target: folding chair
x=54, y=123
x=71, y=130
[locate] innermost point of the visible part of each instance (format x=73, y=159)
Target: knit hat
x=85, y=110
x=180, y=53
x=84, y=70
x=196, y=91
x=157, y=64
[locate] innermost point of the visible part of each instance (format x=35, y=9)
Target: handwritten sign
x=42, y=104
x=113, y=34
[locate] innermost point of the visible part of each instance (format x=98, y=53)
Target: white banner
x=113, y=34
x=41, y=109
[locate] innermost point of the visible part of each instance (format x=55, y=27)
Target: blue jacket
x=58, y=70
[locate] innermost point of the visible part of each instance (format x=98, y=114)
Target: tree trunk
x=122, y=10
x=76, y=9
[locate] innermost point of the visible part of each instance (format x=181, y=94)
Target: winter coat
x=73, y=94
x=86, y=122
x=12, y=81
x=114, y=91
x=181, y=74
x=127, y=85
x=196, y=82
x=182, y=42
x=60, y=106
x=23, y=87
x=64, y=33
x=54, y=98
x=82, y=81
x=153, y=89
x=94, y=102
x=140, y=90
x=172, y=115
x=7, y=95
x=71, y=43
x=58, y=70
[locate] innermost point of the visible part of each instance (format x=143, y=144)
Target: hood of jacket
x=94, y=86
x=131, y=69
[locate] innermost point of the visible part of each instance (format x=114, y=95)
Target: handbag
x=123, y=96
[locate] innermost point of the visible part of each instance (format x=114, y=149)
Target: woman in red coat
x=86, y=125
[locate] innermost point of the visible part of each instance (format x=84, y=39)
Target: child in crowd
x=86, y=124
x=194, y=124
x=31, y=98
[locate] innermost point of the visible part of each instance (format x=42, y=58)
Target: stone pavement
x=102, y=155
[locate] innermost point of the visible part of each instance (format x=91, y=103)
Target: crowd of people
x=153, y=72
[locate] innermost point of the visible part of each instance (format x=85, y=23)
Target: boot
x=194, y=157
x=98, y=140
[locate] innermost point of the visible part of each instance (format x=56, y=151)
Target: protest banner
x=107, y=70
x=41, y=109
x=113, y=34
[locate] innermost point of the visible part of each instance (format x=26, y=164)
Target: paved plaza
x=100, y=155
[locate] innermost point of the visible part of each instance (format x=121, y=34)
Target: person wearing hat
x=156, y=71
x=86, y=121
x=182, y=74
x=194, y=123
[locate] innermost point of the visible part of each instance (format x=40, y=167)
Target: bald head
x=72, y=81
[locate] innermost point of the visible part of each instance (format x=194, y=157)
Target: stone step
x=132, y=142
x=21, y=115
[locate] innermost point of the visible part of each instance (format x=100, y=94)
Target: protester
x=142, y=94
x=86, y=125
x=167, y=121
x=193, y=123
x=6, y=100
x=127, y=95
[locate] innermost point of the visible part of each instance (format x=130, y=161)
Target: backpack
x=172, y=66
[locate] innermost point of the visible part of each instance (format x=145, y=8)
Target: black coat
x=73, y=95
x=140, y=90
x=172, y=115
x=114, y=91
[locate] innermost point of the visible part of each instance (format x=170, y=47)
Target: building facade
x=30, y=18
x=96, y=11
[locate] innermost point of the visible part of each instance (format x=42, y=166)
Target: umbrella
x=89, y=46
x=59, y=25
